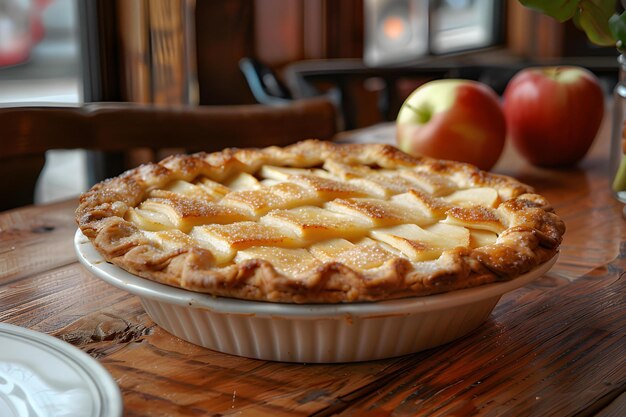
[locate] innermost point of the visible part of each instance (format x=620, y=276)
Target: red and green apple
x=453, y=119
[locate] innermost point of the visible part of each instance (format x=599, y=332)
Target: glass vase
x=617, y=163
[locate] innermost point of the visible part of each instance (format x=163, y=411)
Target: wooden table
x=556, y=347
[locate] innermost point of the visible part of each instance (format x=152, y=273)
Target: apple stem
x=553, y=72
x=424, y=113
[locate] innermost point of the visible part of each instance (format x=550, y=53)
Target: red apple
x=553, y=114
x=453, y=119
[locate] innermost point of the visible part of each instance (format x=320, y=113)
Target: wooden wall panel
x=170, y=45
x=292, y=30
x=134, y=51
x=531, y=34
x=344, y=28
x=279, y=33
x=315, y=37
x=224, y=34
x=548, y=41
x=518, y=21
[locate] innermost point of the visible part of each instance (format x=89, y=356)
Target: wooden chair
x=26, y=133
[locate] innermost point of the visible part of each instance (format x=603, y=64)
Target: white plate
x=41, y=376
x=308, y=332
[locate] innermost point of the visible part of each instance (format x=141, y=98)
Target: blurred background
x=366, y=55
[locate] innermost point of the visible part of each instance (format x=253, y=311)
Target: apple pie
x=317, y=222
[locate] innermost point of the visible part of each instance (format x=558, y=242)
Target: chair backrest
x=27, y=132
x=263, y=82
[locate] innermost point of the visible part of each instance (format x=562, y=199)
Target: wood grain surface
x=556, y=347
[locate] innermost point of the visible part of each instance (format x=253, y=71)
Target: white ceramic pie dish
x=314, y=333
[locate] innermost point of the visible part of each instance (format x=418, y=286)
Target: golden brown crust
x=531, y=234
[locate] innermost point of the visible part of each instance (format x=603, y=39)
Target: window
x=40, y=64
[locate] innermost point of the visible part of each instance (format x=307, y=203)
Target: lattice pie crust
x=317, y=222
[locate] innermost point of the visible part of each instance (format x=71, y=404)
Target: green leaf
x=617, y=25
x=593, y=17
x=561, y=10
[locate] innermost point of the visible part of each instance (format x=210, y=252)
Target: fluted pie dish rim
x=309, y=333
